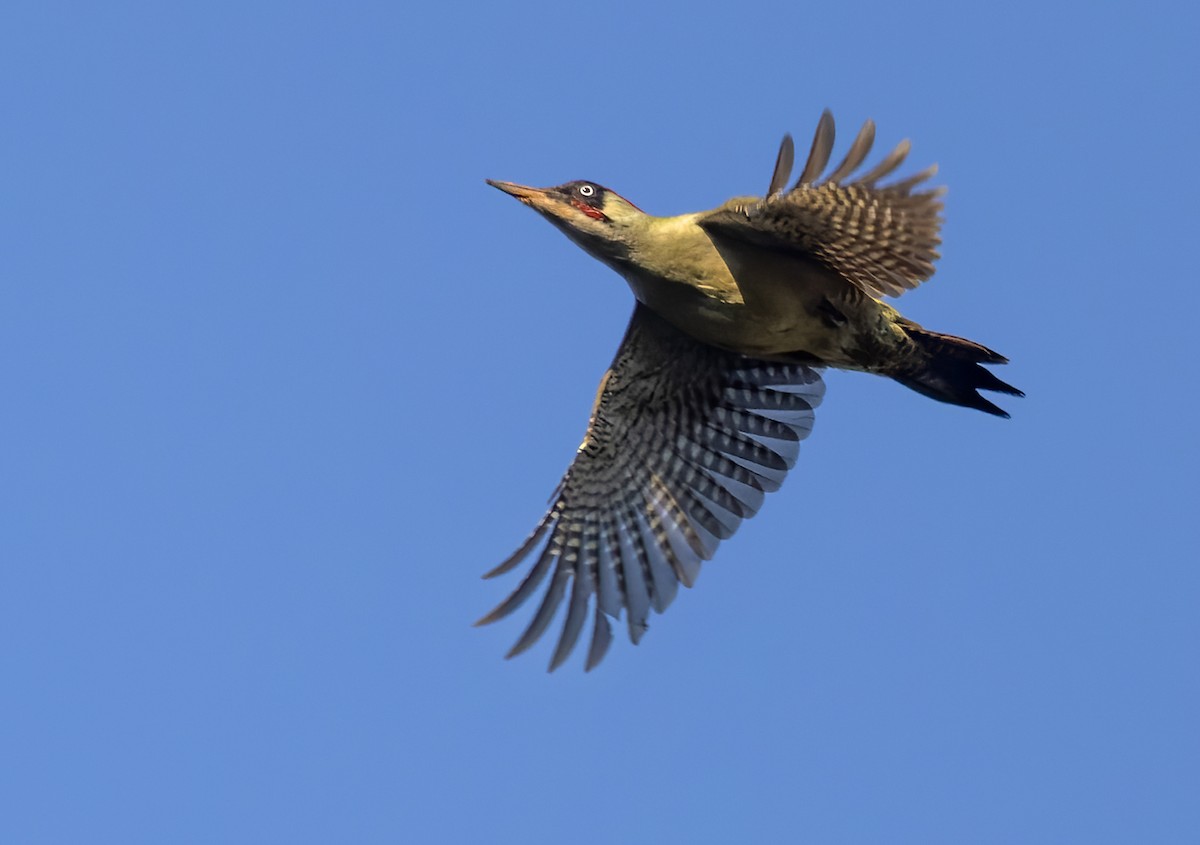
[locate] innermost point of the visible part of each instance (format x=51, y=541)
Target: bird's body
x=715, y=383
x=730, y=295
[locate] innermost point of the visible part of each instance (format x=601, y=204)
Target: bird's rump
x=684, y=441
x=883, y=239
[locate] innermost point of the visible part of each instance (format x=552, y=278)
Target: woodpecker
x=714, y=385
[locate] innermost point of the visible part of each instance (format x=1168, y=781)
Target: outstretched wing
x=684, y=441
x=883, y=239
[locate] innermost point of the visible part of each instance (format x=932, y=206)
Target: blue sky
x=282, y=377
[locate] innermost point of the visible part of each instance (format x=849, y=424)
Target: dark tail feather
x=948, y=369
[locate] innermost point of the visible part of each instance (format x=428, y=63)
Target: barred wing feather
x=882, y=238
x=683, y=443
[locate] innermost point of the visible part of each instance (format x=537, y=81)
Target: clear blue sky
x=281, y=377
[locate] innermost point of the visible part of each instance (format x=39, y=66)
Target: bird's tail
x=948, y=368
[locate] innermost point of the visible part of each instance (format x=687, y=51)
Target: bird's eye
x=586, y=191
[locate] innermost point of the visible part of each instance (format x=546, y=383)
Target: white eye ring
x=586, y=190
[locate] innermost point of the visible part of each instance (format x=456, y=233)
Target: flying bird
x=713, y=387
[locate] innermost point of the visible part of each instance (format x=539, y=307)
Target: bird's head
x=601, y=221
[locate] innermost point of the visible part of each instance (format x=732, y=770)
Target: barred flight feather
x=683, y=442
x=883, y=239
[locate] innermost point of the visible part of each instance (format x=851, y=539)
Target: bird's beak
x=541, y=199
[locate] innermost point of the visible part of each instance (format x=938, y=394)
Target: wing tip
x=818, y=154
x=783, y=165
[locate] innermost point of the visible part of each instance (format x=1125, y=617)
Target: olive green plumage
x=702, y=410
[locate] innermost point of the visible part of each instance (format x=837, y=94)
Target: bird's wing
x=882, y=238
x=683, y=442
